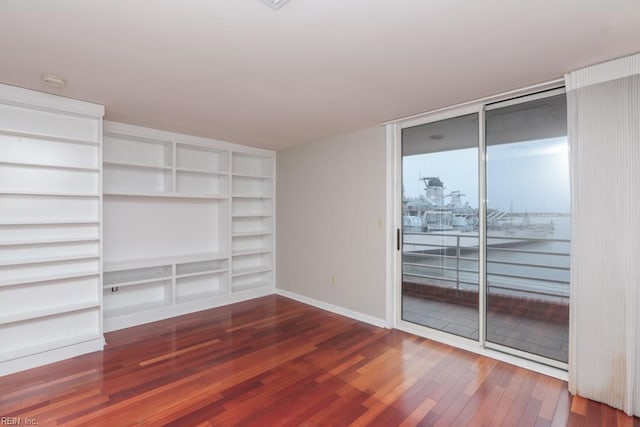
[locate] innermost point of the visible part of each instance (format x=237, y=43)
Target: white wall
x=330, y=220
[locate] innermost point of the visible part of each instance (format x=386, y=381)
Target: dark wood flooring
x=273, y=361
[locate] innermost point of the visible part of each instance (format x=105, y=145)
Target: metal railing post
x=457, y=262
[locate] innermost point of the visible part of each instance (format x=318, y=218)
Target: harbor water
x=535, y=265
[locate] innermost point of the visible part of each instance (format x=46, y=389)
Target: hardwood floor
x=273, y=361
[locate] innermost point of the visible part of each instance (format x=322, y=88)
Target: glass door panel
x=528, y=218
x=440, y=225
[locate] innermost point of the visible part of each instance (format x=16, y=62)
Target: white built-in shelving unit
x=188, y=224
x=50, y=228
x=107, y=225
x=252, y=228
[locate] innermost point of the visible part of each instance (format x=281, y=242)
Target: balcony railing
x=515, y=265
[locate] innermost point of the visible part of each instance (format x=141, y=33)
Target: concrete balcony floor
x=547, y=339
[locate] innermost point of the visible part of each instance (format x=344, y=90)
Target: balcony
x=527, y=288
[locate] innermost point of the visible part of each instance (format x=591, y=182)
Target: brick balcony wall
x=520, y=306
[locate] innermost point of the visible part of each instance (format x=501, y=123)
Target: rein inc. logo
x=18, y=421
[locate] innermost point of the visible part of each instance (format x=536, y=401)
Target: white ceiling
x=240, y=71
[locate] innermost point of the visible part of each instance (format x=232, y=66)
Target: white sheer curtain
x=604, y=139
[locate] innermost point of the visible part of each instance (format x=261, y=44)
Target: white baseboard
x=161, y=313
x=50, y=356
x=375, y=321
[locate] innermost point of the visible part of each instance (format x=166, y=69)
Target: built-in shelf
x=47, y=138
x=163, y=282
x=169, y=194
x=147, y=167
x=246, y=175
x=49, y=166
x=251, y=270
x=48, y=194
x=48, y=278
x=46, y=312
x=201, y=273
x=134, y=308
x=132, y=282
x=41, y=242
x=44, y=260
x=251, y=196
x=252, y=233
x=251, y=252
x=201, y=171
x=150, y=262
x=46, y=221
x=252, y=165
x=136, y=165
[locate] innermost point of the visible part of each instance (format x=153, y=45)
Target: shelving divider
x=174, y=290
x=174, y=173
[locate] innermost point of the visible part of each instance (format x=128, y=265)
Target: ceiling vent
x=276, y=4
x=54, y=80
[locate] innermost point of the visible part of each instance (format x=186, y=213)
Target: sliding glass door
x=485, y=226
x=527, y=227
x=440, y=225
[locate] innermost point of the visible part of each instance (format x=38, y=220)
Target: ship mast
x=434, y=189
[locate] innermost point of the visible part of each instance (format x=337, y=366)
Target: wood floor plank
x=177, y=353
x=273, y=361
x=579, y=406
x=563, y=409
x=419, y=413
x=521, y=398
x=550, y=400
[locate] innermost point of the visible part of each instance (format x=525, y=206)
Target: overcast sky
x=531, y=176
